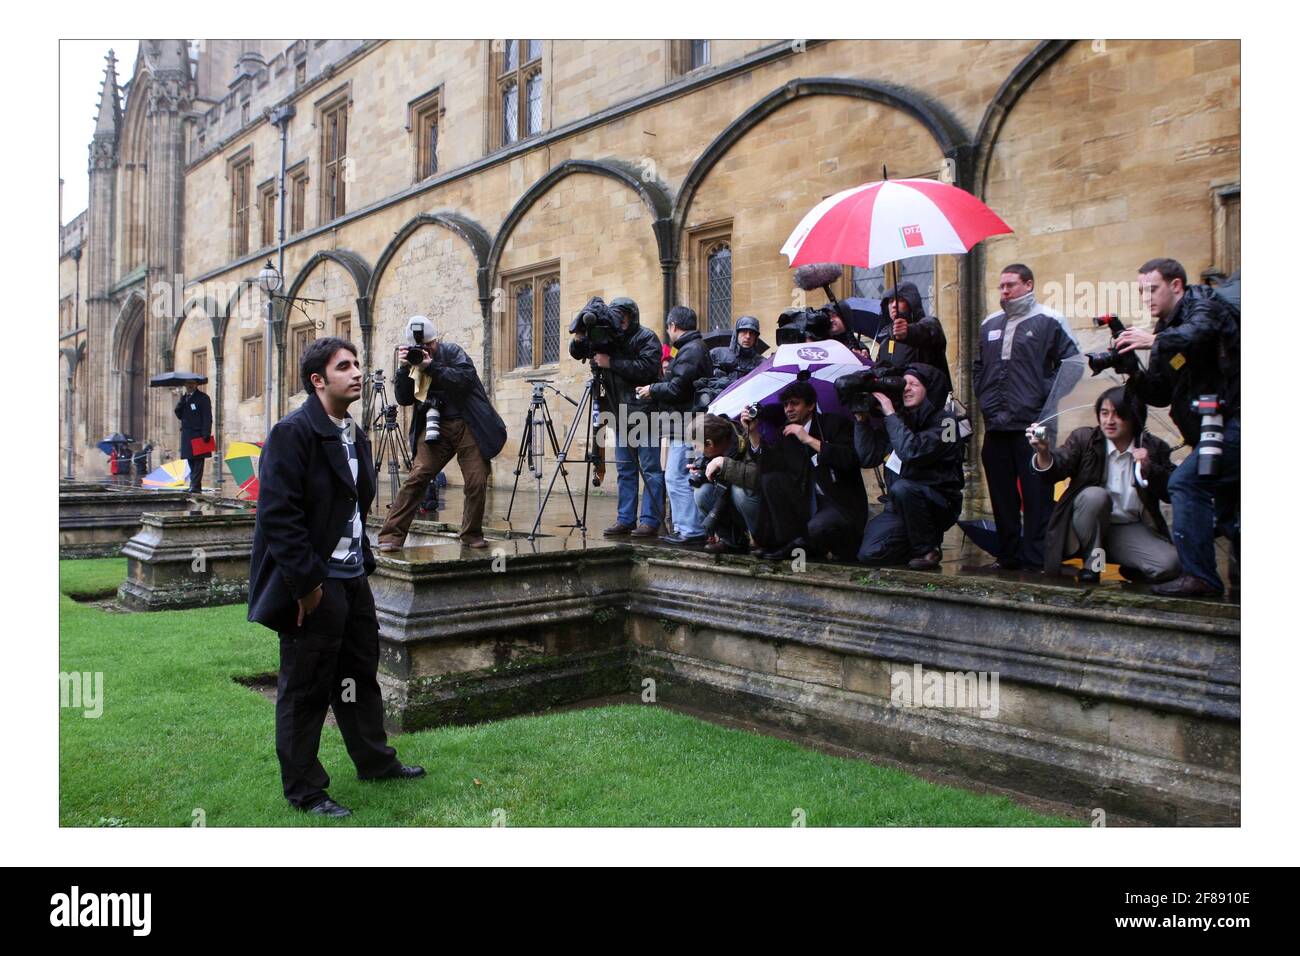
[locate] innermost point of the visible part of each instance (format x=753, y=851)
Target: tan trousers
x=1134, y=544
x=456, y=441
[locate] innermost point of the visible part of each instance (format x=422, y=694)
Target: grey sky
x=81, y=70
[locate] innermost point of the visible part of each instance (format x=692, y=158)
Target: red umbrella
x=890, y=220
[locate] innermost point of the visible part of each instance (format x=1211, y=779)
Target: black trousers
x=785, y=518
x=911, y=526
x=331, y=661
x=196, y=474
x=1006, y=457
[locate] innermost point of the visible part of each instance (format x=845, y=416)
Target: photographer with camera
x=1110, y=512
x=452, y=417
x=810, y=483
x=624, y=354
x=1025, y=360
x=1195, y=370
x=922, y=454
x=676, y=394
x=911, y=336
x=726, y=481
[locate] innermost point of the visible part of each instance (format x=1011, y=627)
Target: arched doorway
x=133, y=384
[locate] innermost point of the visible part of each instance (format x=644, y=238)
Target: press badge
x=995, y=334
x=894, y=463
x=193, y=407
x=1177, y=362
x=891, y=346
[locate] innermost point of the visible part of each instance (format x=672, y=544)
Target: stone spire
x=109, y=119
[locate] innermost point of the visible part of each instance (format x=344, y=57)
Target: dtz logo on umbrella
x=912, y=236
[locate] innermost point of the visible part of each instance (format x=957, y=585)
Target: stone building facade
x=496, y=185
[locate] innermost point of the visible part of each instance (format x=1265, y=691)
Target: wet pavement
x=556, y=532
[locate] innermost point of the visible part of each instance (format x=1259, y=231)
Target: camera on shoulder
x=599, y=322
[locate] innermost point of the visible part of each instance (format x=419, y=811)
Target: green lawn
x=179, y=734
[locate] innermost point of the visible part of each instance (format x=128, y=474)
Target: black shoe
x=781, y=552
x=325, y=807
x=1186, y=586
x=927, y=562
x=676, y=538
x=1088, y=576
x=400, y=772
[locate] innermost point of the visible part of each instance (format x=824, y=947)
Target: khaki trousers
x=458, y=442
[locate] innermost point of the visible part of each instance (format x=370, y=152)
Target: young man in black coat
x=195, y=412
x=307, y=581
x=811, y=485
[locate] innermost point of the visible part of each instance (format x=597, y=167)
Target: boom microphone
x=818, y=275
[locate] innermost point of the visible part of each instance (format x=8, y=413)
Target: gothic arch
x=995, y=116
x=128, y=327
x=652, y=193
x=947, y=132
x=216, y=319
x=475, y=236
x=354, y=265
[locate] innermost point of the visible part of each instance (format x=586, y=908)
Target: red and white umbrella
x=886, y=221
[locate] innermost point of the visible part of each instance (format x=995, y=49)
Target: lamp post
x=268, y=280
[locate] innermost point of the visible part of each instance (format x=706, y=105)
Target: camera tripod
x=538, y=428
x=588, y=409
x=390, y=444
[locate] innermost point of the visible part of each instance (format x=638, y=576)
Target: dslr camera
x=1111, y=358
x=600, y=322
x=419, y=330
x=855, y=390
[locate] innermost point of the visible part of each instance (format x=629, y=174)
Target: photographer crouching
x=452, y=418
x=726, y=481
x=624, y=355
x=812, y=496
x=921, y=449
x=1110, y=512
x=1195, y=370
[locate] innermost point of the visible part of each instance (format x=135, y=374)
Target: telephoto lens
x=1209, y=449
x=432, y=423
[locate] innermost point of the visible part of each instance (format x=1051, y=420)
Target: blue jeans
x=626, y=460
x=1198, y=501
x=686, y=517
x=745, y=504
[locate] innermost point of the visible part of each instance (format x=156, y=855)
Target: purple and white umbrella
x=821, y=363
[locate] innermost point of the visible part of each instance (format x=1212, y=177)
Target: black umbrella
x=863, y=315
x=172, y=379
x=984, y=533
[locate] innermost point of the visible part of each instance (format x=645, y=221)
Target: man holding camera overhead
x=920, y=448
x=452, y=418
x=630, y=357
